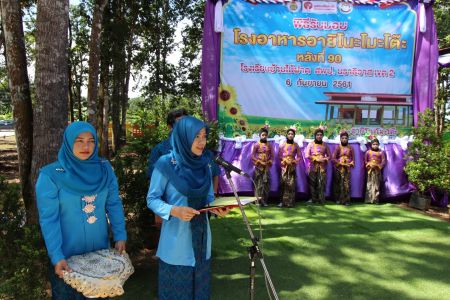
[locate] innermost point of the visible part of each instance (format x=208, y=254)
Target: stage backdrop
x=308, y=63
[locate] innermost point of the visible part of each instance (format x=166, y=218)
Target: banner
x=311, y=63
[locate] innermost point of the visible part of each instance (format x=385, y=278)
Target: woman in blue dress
x=181, y=184
x=76, y=196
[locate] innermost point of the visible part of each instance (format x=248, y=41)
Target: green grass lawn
x=327, y=252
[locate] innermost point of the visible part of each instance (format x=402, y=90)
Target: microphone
x=229, y=167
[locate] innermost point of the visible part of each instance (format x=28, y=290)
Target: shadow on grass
x=326, y=252
x=336, y=252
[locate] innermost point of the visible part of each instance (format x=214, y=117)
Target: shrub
x=428, y=164
x=130, y=166
x=24, y=259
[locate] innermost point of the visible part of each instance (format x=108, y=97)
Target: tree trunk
x=94, y=59
x=115, y=107
x=79, y=82
x=105, y=122
x=21, y=98
x=69, y=76
x=50, y=113
x=103, y=109
x=118, y=55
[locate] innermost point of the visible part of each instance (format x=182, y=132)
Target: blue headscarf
x=188, y=173
x=84, y=177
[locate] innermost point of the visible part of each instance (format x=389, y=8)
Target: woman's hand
x=60, y=267
x=120, y=246
x=222, y=211
x=183, y=213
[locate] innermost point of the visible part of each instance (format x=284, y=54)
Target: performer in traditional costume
x=343, y=161
x=181, y=184
x=262, y=158
x=374, y=160
x=77, y=199
x=289, y=155
x=318, y=154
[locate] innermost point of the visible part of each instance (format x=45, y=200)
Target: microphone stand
x=253, y=251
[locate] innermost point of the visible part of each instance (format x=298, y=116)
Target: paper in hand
x=227, y=202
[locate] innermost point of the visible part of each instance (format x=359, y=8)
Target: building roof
x=387, y=103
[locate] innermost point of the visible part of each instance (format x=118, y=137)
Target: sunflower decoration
x=242, y=123
x=228, y=104
x=227, y=96
x=234, y=112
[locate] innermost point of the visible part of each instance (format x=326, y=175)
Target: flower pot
x=419, y=201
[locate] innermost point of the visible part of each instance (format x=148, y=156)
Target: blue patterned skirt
x=184, y=282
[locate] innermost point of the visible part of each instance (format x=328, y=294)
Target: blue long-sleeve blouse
x=175, y=243
x=69, y=226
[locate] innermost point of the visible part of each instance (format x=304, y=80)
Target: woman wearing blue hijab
x=76, y=196
x=181, y=184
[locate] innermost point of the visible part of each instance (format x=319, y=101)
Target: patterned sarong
x=185, y=282
x=373, y=186
x=341, y=184
x=317, y=182
x=288, y=176
x=262, y=183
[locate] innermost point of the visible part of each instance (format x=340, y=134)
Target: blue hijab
x=188, y=173
x=83, y=177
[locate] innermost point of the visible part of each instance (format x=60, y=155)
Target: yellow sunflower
x=227, y=95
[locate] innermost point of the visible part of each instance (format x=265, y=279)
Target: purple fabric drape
x=425, y=63
x=210, y=64
x=394, y=179
x=395, y=182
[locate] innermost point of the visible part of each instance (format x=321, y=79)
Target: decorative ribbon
x=218, y=17
x=422, y=18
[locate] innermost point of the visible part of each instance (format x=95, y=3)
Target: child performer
x=318, y=154
x=374, y=160
x=262, y=154
x=343, y=160
x=289, y=155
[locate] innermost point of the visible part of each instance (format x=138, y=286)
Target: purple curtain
x=210, y=64
x=394, y=182
x=425, y=63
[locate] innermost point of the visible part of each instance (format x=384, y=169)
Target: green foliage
x=24, y=259
x=5, y=97
x=442, y=16
x=428, y=164
x=189, y=66
x=130, y=166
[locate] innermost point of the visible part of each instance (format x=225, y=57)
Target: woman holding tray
x=181, y=184
x=76, y=196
